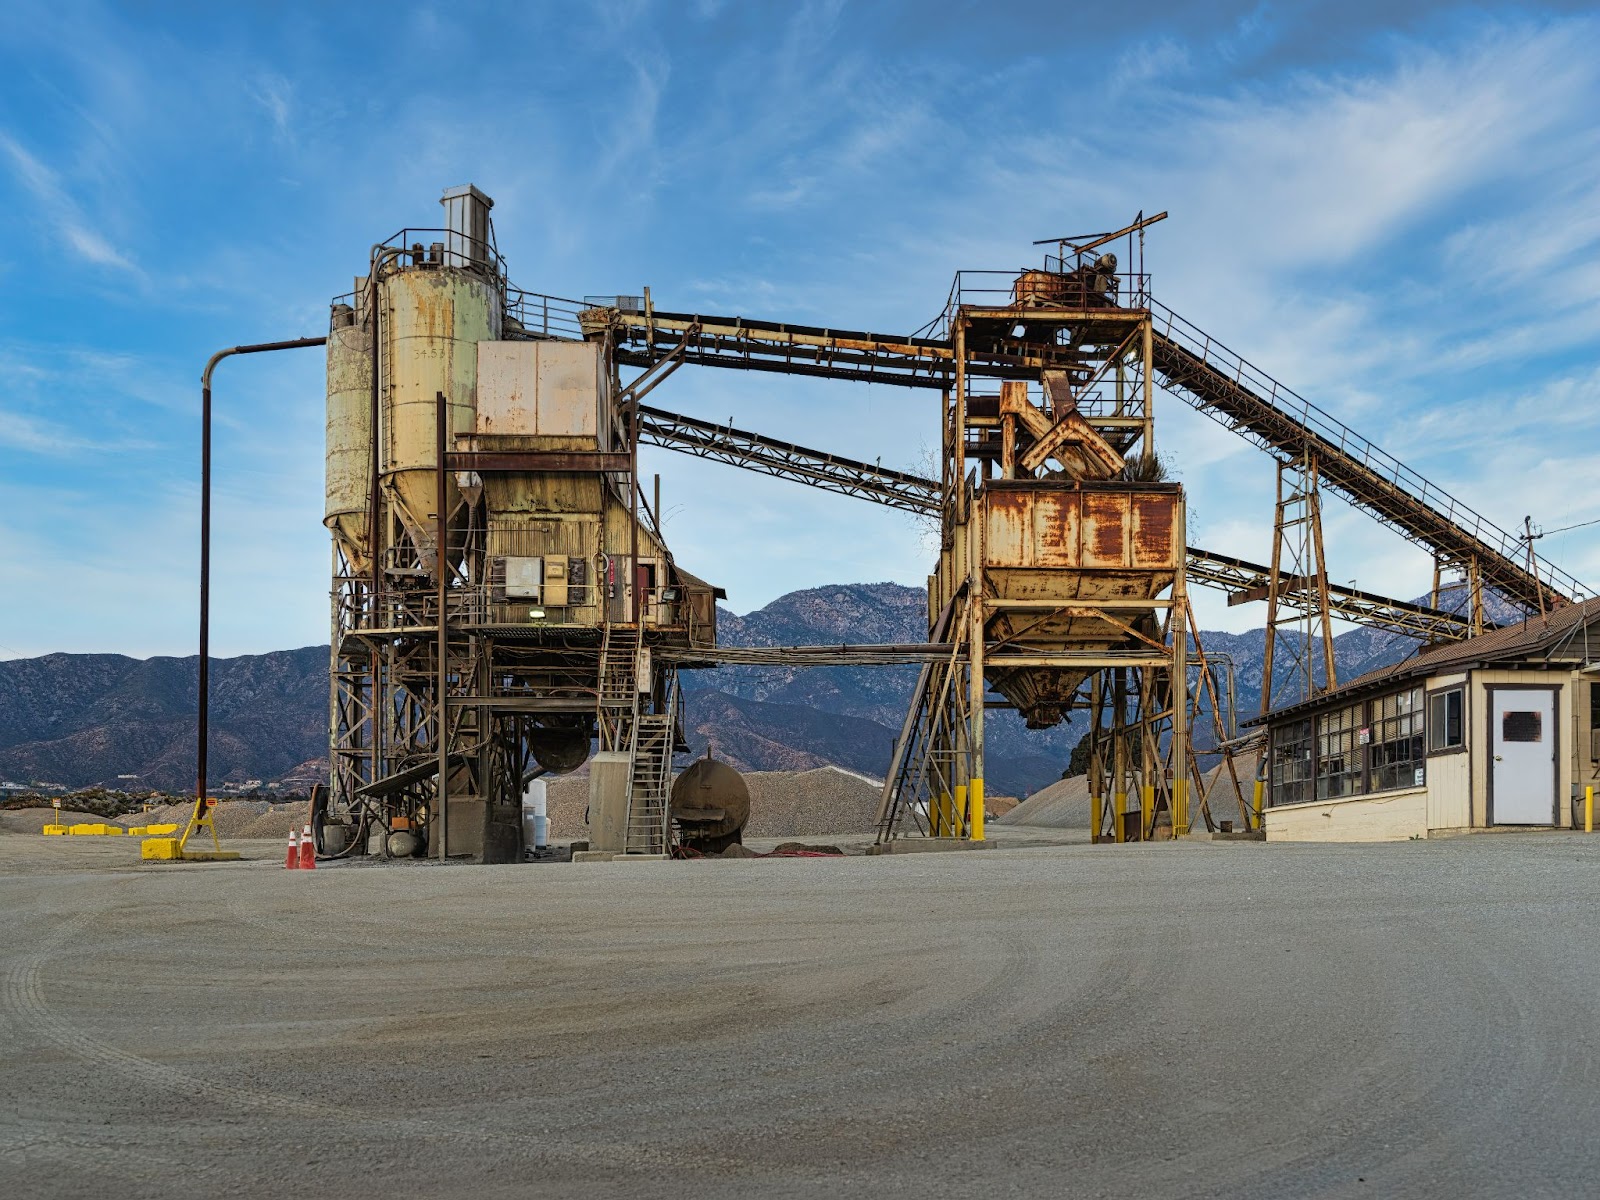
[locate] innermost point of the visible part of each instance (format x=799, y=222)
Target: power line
x=1528, y=537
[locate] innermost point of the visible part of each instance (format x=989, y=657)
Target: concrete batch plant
x=504, y=604
x=554, y=584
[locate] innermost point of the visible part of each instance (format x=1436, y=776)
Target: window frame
x=1307, y=784
x=1368, y=716
x=1427, y=722
x=1349, y=719
x=1396, y=721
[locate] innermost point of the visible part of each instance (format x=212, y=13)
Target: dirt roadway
x=1205, y=1019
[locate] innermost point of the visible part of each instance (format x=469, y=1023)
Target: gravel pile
x=806, y=803
x=782, y=803
x=277, y=820
x=1062, y=805
x=33, y=820
x=1065, y=805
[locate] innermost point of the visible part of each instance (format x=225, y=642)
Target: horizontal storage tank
x=349, y=433
x=710, y=804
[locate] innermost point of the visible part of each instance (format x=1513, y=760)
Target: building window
x=1521, y=727
x=1338, y=753
x=1395, y=752
x=1291, y=763
x=1446, y=724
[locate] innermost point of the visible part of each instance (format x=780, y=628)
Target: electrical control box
x=525, y=579
x=555, y=581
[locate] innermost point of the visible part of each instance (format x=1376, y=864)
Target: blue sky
x=1393, y=208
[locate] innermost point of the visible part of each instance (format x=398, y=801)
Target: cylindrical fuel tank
x=434, y=318
x=710, y=800
x=349, y=445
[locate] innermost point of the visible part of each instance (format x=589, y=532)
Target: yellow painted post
x=1261, y=816
x=975, y=810
x=1147, y=809
x=1588, y=810
x=958, y=811
x=1119, y=816
x=941, y=811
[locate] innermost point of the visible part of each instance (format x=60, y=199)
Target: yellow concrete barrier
x=150, y=830
x=160, y=847
x=95, y=829
x=54, y=831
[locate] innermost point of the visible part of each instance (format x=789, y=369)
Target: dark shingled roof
x=1528, y=637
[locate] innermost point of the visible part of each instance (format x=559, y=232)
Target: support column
x=1119, y=754
x=975, y=547
x=1180, y=695
x=1096, y=761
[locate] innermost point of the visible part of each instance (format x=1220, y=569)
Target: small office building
x=1498, y=730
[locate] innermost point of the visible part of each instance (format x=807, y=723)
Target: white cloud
x=60, y=212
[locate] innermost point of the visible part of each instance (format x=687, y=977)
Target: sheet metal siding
x=349, y=434
x=1088, y=530
x=542, y=390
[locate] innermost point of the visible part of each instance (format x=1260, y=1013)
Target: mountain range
x=85, y=719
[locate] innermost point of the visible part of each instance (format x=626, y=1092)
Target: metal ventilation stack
x=503, y=579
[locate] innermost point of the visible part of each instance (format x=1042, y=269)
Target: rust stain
x=1154, y=520
x=1105, y=519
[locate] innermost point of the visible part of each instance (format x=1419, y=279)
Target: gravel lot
x=1198, y=1019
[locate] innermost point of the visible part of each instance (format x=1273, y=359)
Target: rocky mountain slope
x=83, y=719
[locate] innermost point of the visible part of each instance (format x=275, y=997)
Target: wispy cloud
x=275, y=95
x=58, y=210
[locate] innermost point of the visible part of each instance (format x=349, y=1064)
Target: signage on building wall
x=1363, y=736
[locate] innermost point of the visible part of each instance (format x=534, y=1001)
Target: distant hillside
x=83, y=719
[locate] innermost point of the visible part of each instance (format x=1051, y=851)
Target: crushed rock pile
x=1065, y=804
x=233, y=818
x=783, y=804
x=33, y=820
x=1062, y=805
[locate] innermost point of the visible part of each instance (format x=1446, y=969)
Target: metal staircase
x=650, y=779
x=929, y=755
x=618, y=701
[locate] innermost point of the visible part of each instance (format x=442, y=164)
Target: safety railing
x=1031, y=287
x=1233, y=368
x=538, y=315
x=446, y=248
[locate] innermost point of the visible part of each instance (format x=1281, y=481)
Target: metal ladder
x=618, y=700
x=650, y=779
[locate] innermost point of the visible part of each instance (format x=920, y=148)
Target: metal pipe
x=203, y=714
x=441, y=715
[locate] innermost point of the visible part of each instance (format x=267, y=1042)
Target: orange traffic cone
x=293, y=861
x=308, y=851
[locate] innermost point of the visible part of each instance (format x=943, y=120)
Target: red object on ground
x=308, y=851
x=293, y=861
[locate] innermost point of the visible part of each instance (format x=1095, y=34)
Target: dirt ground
x=1191, y=1019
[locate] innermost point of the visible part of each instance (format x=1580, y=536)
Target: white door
x=1522, y=738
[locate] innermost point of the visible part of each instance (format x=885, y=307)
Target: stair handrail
x=1289, y=403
